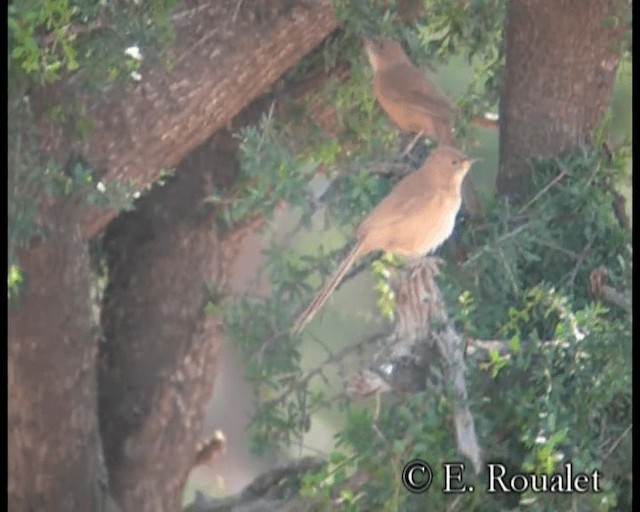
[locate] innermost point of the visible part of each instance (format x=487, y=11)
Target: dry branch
x=605, y=292
x=422, y=325
x=275, y=490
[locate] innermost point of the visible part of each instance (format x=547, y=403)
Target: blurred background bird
x=406, y=94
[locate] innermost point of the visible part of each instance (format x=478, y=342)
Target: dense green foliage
x=49, y=40
x=560, y=388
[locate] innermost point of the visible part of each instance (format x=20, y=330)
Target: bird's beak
x=468, y=163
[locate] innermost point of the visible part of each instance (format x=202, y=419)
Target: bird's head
x=383, y=52
x=450, y=164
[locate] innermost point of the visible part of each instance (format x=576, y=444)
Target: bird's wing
x=408, y=198
x=404, y=84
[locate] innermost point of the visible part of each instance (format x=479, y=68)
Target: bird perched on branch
x=405, y=93
x=415, y=218
x=413, y=102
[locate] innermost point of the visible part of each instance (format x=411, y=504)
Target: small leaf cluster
x=50, y=40
x=270, y=176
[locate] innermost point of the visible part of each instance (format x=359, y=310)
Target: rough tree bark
x=222, y=62
x=560, y=70
x=54, y=445
x=157, y=365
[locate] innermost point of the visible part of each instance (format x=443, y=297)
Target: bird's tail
x=305, y=317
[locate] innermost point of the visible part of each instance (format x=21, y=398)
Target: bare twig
x=617, y=442
x=192, y=11
x=613, y=296
x=199, y=43
x=454, y=504
x=546, y=243
x=509, y=272
x=237, y=10
x=488, y=247
x=545, y=189
x=309, y=374
x=267, y=343
x=579, y=262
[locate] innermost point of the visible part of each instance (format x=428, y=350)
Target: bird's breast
x=448, y=223
x=438, y=227
x=418, y=231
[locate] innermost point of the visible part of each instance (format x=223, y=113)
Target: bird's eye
x=455, y=162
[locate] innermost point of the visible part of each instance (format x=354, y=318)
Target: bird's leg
x=412, y=144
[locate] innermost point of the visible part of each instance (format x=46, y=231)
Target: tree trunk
x=560, y=70
x=54, y=444
x=158, y=362
x=157, y=365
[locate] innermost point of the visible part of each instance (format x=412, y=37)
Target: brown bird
x=413, y=102
x=406, y=94
x=415, y=218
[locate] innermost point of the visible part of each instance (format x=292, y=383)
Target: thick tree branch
x=221, y=64
x=275, y=490
x=157, y=366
